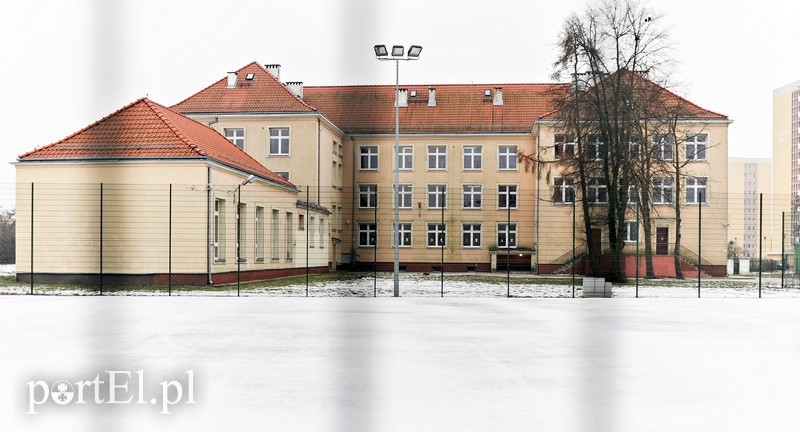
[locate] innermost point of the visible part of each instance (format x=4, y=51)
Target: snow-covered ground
x=456, y=285
x=420, y=364
x=7, y=269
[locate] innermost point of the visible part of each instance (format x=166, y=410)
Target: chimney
x=275, y=70
x=498, y=96
x=431, y=97
x=402, y=97
x=232, y=76
x=296, y=87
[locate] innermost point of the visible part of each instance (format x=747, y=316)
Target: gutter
x=208, y=224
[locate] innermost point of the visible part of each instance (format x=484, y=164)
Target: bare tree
x=7, y=236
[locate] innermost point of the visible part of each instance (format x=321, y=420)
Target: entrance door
x=662, y=241
x=597, y=239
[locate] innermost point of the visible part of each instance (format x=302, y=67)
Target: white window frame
x=631, y=235
x=510, y=190
x=406, y=155
x=562, y=142
x=371, y=231
x=290, y=236
x=472, y=191
x=633, y=191
x=241, y=240
x=595, y=147
x=368, y=190
x=507, y=234
x=693, y=142
x=473, y=154
x=666, y=189
x=322, y=234
x=406, y=195
x=280, y=139
x=261, y=235
x=311, y=229
x=404, y=228
x=596, y=188
x=370, y=154
x=439, y=232
x=440, y=158
x=235, y=137
x=562, y=189
x=468, y=228
x=694, y=188
x=661, y=144
x=220, y=230
x=440, y=193
x=275, y=235
x=507, y=154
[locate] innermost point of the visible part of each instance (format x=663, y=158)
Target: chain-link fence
x=452, y=240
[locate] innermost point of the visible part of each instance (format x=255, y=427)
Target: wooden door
x=662, y=241
x=597, y=241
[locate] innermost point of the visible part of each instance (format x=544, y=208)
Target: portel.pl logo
x=111, y=387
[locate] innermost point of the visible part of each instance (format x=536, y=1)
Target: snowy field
x=414, y=364
x=429, y=285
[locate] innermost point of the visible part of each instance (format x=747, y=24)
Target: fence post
x=574, y=217
x=375, y=250
x=783, y=250
x=699, y=240
x=760, y=239
x=169, y=277
x=32, y=195
x=637, y=244
x=101, y=238
x=444, y=239
x=308, y=231
x=508, y=246
x=239, y=241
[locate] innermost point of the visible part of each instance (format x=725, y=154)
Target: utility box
x=596, y=287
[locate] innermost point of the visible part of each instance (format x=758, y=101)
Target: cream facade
x=786, y=150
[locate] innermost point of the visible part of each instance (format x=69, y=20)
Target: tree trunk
x=677, y=252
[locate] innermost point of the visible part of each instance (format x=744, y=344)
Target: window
x=367, y=234
x=367, y=196
x=437, y=157
x=437, y=196
x=322, y=239
x=507, y=196
x=597, y=190
x=634, y=148
x=405, y=196
x=259, y=225
x=473, y=196
x=696, y=147
x=219, y=230
x=473, y=157
x=662, y=191
x=471, y=235
x=335, y=148
x=564, y=146
x=406, y=158
x=289, y=236
x=275, y=234
x=563, y=191
x=241, y=220
x=279, y=141
x=507, y=158
x=301, y=222
x=284, y=174
x=368, y=156
x=507, y=235
x=403, y=234
x=236, y=136
x=664, y=148
x=437, y=234
x=631, y=231
x=633, y=194
x=696, y=190
x=596, y=148
x=311, y=228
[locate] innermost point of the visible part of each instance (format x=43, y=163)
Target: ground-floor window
x=631, y=231
x=437, y=234
x=275, y=235
x=403, y=234
x=507, y=235
x=259, y=226
x=471, y=235
x=367, y=234
x=289, y=236
x=219, y=229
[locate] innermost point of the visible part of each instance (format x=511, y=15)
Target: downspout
x=319, y=162
x=536, y=200
x=208, y=225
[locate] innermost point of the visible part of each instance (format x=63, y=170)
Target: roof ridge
x=439, y=85
x=85, y=128
x=155, y=107
x=285, y=87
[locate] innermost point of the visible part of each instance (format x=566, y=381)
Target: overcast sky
x=64, y=64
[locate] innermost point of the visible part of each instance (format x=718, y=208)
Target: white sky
x=67, y=63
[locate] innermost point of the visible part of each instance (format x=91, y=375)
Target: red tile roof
x=263, y=94
x=460, y=108
x=678, y=105
x=145, y=129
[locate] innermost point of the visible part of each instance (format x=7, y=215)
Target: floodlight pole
x=396, y=227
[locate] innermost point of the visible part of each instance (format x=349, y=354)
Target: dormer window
x=250, y=76
x=402, y=98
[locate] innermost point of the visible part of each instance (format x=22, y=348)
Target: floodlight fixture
x=414, y=50
x=398, y=50
x=380, y=51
